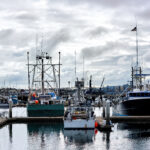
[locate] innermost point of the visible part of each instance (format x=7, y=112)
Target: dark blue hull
x=138, y=107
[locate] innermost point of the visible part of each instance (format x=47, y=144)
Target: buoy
x=96, y=124
x=36, y=101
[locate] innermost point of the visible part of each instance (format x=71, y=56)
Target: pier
x=5, y=121
x=99, y=120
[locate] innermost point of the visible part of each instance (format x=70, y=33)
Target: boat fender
x=36, y=101
x=96, y=124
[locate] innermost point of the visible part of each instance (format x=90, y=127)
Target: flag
x=134, y=29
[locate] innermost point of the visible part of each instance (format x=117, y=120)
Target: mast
x=132, y=76
x=75, y=65
x=42, y=76
x=28, y=72
x=83, y=68
x=59, y=76
x=136, y=47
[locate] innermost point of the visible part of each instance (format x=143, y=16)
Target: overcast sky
x=98, y=30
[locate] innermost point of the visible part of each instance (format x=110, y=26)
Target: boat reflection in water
x=49, y=135
x=43, y=135
x=79, y=136
x=37, y=128
x=134, y=130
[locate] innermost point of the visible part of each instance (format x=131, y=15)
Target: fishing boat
x=79, y=115
x=44, y=101
x=4, y=103
x=14, y=99
x=137, y=98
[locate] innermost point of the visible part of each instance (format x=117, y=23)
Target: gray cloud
x=98, y=31
x=27, y=16
x=109, y=47
x=12, y=37
x=6, y=33
x=57, y=38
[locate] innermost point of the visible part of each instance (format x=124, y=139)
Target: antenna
x=36, y=43
x=83, y=67
x=75, y=65
x=42, y=43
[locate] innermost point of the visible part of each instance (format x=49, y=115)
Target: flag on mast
x=134, y=29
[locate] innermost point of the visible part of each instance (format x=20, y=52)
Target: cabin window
x=131, y=94
x=138, y=94
x=142, y=94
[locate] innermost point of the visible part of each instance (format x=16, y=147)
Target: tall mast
x=59, y=76
x=28, y=72
x=83, y=67
x=42, y=76
x=136, y=47
x=75, y=65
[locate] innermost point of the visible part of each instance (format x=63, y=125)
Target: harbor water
x=52, y=136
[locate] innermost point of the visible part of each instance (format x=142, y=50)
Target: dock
x=3, y=121
x=100, y=120
x=102, y=125
x=128, y=119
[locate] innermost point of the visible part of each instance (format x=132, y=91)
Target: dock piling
x=103, y=108
x=10, y=109
x=107, y=112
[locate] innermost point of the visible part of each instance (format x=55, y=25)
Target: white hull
x=79, y=124
x=4, y=105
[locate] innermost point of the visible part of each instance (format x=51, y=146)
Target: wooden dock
x=3, y=121
x=99, y=120
x=137, y=119
x=35, y=119
x=101, y=124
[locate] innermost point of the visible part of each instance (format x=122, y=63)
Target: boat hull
x=54, y=110
x=4, y=105
x=79, y=124
x=137, y=107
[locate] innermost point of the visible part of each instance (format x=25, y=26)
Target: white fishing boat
x=79, y=115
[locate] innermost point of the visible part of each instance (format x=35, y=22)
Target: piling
x=103, y=108
x=107, y=112
x=10, y=109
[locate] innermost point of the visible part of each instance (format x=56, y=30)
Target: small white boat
x=79, y=115
x=80, y=118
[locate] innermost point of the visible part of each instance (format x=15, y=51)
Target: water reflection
x=10, y=132
x=41, y=133
x=135, y=130
x=106, y=138
x=79, y=136
x=46, y=128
